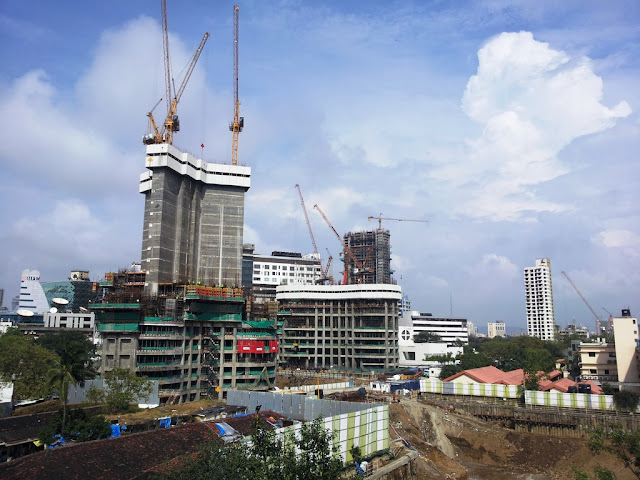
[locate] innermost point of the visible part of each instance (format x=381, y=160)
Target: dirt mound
x=453, y=443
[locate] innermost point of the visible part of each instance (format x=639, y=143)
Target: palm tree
x=69, y=369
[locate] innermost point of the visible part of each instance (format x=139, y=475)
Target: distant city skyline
x=512, y=128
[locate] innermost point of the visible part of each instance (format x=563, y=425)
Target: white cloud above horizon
x=509, y=132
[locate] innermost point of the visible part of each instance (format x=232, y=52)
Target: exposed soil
x=456, y=444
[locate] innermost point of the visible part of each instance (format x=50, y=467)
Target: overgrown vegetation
x=25, y=363
x=624, y=445
x=531, y=354
x=78, y=426
x=71, y=367
x=626, y=401
x=310, y=456
x=122, y=388
x=426, y=337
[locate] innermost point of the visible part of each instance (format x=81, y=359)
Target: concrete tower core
x=193, y=219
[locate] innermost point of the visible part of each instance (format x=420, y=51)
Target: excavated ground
x=454, y=444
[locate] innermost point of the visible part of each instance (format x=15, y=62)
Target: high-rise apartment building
x=193, y=219
x=372, y=249
x=539, y=296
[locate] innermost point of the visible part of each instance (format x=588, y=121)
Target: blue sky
x=512, y=127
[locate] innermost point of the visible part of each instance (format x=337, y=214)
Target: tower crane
x=360, y=267
x=380, y=218
x=306, y=217
x=324, y=269
x=238, y=122
x=599, y=327
x=171, y=123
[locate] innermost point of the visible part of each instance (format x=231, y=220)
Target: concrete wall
x=351, y=423
x=79, y=394
x=627, y=338
x=297, y=407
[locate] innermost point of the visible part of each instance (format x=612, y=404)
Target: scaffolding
x=373, y=250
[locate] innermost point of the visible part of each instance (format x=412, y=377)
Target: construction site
x=194, y=340
x=204, y=313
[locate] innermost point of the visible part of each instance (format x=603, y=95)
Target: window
x=592, y=354
x=409, y=355
x=593, y=370
x=606, y=372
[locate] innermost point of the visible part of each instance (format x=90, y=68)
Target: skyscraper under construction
x=372, y=249
x=193, y=219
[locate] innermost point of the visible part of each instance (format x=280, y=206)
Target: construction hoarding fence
x=471, y=389
x=351, y=423
x=570, y=400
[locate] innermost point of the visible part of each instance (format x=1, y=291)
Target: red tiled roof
x=491, y=374
x=563, y=385
x=123, y=457
x=595, y=389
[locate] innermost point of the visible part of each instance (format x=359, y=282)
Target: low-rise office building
x=446, y=338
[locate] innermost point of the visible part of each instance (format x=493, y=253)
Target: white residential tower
x=539, y=294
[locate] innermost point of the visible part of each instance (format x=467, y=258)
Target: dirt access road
x=455, y=445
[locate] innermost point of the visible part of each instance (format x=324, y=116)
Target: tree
x=473, y=360
x=70, y=342
x=624, y=445
x=79, y=427
x=71, y=367
x=122, y=388
x=426, y=337
x=448, y=370
x=626, y=400
x=532, y=380
x=26, y=364
x=267, y=455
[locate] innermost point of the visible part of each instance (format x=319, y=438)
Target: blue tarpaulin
x=222, y=432
x=165, y=422
x=115, y=430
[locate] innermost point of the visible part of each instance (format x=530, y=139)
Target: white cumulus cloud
x=532, y=101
